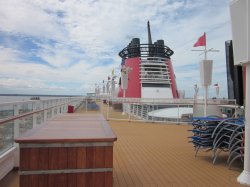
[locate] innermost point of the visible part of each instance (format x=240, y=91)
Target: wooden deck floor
x=148, y=154
x=159, y=155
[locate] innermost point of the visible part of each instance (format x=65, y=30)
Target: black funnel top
x=135, y=49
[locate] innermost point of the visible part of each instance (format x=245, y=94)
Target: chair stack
x=229, y=137
x=217, y=135
x=203, y=128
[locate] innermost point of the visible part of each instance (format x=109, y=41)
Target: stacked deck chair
x=217, y=135
x=203, y=128
x=229, y=137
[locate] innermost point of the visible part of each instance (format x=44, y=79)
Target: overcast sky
x=65, y=47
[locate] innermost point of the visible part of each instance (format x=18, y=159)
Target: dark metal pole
x=149, y=34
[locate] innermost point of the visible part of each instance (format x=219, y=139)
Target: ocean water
x=8, y=99
x=11, y=99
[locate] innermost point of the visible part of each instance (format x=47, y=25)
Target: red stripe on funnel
x=172, y=81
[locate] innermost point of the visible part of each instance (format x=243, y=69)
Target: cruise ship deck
x=152, y=154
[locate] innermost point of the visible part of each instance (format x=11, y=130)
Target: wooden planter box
x=69, y=150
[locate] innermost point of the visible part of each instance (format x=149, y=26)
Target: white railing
x=172, y=101
x=137, y=109
x=19, y=117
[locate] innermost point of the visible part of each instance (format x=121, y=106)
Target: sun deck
x=151, y=154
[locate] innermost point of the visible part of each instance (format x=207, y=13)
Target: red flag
x=201, y=41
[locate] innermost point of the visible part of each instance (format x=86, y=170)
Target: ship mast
x=149, y=34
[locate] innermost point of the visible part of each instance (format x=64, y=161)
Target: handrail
x=33, y=101
x=171, y=101
x=11, y=118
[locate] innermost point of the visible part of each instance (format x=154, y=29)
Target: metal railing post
x=86, y=105
x=178, y=115
x=129, y=114
x=52, y=109
x=16, y=134
x=34, y=116
x=108, y=110
x=45, y=112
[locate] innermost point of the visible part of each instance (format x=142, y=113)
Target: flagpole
x=202, y=42
x=205, y=51
x=206, y=86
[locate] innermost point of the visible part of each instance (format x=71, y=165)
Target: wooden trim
x=65, y=171
x=88, y=144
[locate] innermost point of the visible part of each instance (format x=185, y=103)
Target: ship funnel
x=149, y=34
x=160, y=42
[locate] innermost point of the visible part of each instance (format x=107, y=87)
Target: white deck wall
x=156, y=93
